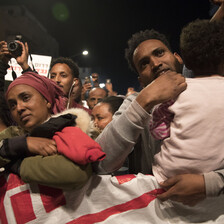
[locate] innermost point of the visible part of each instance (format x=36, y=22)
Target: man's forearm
x=219, y=15
x=119, y=137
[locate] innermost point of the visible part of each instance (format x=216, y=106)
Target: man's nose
x=57, y=79
x=155, y=62
x=95, y=102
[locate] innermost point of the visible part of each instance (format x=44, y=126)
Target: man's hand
x=85, y=87
x=217, y=2
x=166, y=87
x=188, y=189
x=219, y=15
x=41, y=146
x=109, y=87
x=4, y=52
x=23, y=59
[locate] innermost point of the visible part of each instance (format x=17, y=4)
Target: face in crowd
x=62, y=75
x=102, y=115
x=27, y=106
x=152, y=58
x=96, y=95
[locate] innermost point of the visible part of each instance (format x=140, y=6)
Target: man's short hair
x=68, y=61
x=202, y=45
x=96, y=88
x=138, y=38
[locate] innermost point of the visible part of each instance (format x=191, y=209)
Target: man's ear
x=75, y=82
x=140, y=82
x=178, y=57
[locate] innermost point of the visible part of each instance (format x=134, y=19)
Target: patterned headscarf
x=46, y=87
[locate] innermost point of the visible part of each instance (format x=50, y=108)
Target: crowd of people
x=61, y=133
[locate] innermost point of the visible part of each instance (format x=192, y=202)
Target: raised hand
x=4, y=52
x=166, y=87
x=23, y=59
x=85, y=87
x=219, y=15
x=217, y=2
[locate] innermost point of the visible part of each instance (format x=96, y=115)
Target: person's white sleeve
x=214, y=183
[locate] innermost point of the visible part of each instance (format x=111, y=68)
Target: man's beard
x=178, y=66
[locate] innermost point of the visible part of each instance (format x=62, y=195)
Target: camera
x=15, y=48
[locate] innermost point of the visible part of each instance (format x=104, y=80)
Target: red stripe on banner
x=22, y=207
x=3, y=188
x=52, y=198
x=137, y=203
x=14, y=181
x=125, y=178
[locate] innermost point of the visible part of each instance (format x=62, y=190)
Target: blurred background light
x=60, y=11
x=85, y=52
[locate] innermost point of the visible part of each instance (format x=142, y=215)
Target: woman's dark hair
x=114, y=102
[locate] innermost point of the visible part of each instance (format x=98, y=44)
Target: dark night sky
x=104, y=26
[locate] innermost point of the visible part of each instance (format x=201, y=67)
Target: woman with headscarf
x=32, y=99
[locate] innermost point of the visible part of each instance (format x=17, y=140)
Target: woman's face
x=101, y=115
x=27, y=106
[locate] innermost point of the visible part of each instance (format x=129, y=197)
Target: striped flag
x=104, y=199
